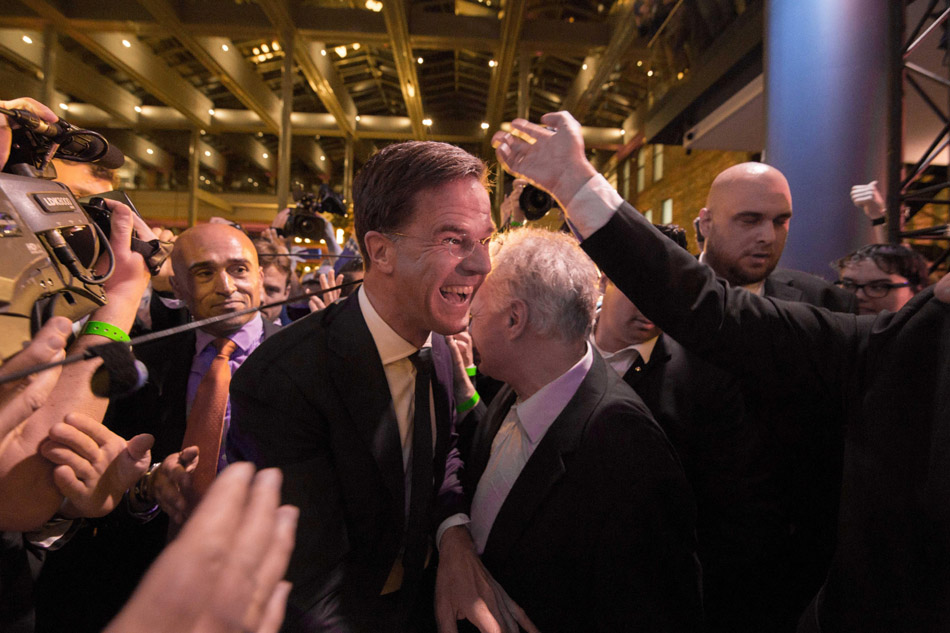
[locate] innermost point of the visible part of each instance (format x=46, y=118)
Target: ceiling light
x=265, y=155
x=211, y=111
x=257, y=184
x=427, y=121
x=138, y=109
x=264, y=48
x=64, y=106
x=208, y=153
x=249, y=179
x=356, y=46
x=260, y=135
x=340, y=51
x=679, y=75
x=27, y=39
x=261, y=57
x=323, y=52
x=323, y=158
x=623, y=132
x=492, y=63
x=357, y=118
x=256, y=50
x=127, y=43
x=410, y=89
x=584, y=67
x=270, y=55
x=149, y=151
x=202, y=132
x=649, y=73
x=419, y=60
x=225, y=48
x=485, y=125
x=274, y=46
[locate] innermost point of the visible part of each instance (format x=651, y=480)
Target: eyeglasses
x=874, y=289
x=460, y=245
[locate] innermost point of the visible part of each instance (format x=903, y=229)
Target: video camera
x=305, y=220
x=50, y=244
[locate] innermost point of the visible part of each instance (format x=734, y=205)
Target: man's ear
x=380, y=251
x=705, y=217
x=517, y=319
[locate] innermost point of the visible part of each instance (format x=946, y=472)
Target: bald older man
x=216, y=273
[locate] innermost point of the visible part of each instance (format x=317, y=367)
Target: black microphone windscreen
x=113, y=159
x=120, y=374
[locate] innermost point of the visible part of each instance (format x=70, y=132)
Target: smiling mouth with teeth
x=456, y=294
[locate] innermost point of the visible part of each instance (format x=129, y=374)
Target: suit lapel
x=359, y=378
x=546, y=466
x=781, y=290
x=484, y=435
x=441, y=397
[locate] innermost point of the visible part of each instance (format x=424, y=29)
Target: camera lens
x=535, y=203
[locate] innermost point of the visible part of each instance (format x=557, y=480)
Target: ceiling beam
x=396, y=13
x=589, y=83
x=505, y=67
x=136, y=60
x=316, y=67
x=220, y=56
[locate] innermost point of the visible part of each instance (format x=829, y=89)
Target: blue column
x=826, y=119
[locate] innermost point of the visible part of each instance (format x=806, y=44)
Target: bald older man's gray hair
x=552, y=275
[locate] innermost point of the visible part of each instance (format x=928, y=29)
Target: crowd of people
x=580, y=430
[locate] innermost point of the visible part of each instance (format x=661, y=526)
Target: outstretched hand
x=550, y=156
x=868, y=198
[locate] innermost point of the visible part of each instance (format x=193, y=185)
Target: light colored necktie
x=206, y=419
x=501, y=472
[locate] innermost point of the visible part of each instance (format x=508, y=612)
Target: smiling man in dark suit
x=334, y=402
x=579, y=506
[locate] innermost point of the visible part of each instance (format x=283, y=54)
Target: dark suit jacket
x=597, y=531
x=886, y=380
x=795, y=285
x=86, y=582
x=314, y=401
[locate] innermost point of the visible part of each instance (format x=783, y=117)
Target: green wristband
x=468, y=404
x=105, y=329
x=471, y=371
x=516, y=223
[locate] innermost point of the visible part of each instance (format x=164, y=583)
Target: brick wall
x=686, y=180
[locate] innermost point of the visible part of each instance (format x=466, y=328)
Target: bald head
x=217, y=272
x=745, y=222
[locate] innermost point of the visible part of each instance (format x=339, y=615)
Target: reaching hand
x=23, y=103
x=324, y=298
x=550, y=156
x=460, y=345
x=19, y=399
x=464, y=590
x=171, y=484
x=223, y=572
x=511, y=210
x=95, y=466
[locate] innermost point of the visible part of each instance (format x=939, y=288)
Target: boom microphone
x=74, y=144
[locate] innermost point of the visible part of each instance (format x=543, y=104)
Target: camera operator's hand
x=23, y=103
x=94, y=465
x=322, y=299
x=161, y=282
x=511, y=210
x=550, y=156
x=19, y=399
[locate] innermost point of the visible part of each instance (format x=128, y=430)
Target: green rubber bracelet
x=471, y=371
x=468, y=404
x=516, y=223
x=107, y=330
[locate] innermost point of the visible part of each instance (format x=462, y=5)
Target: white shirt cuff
x=593, y=206
x=456, y=519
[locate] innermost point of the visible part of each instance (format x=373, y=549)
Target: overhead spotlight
x=275, y=46
x=225, y=48
x=211, y=111
x=64, y=106
x=356, y=46
x=202, y=132
x=571, y=20
x=623, y=132
x=323, y=158
x=410, y=89
x=323, y=52
x=138, y=109
x=679, y=75
x=257, y=184
x=339, y=236
x=149, y=151
x=639, y=63
x=260, y=135
x=261, y=57
x=250, y=180
x=492, y=63
x=307, y=269
x=127, y=43
x=583, y=66
x=270, y=55
x=208, y=153
x=484, y=125
x=256, y=50
x=427, y=121
x=357, y=118
x=419, y=60
x=264, y=48
x=27, y=39
x=649, y=73
x=265, y=155
x=340, y=51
